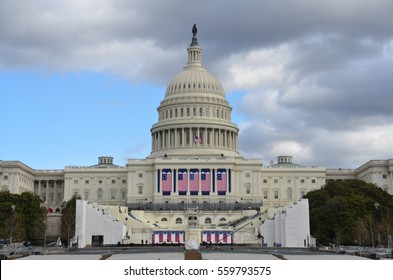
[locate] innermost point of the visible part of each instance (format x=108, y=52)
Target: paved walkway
x=61, y=257
x=324, y=257
x=180, y=256
x=205, y=256
x=149, y=256
x=240, y=254
x=236, y=256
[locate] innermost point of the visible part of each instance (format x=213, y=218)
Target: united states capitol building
x=194, y=184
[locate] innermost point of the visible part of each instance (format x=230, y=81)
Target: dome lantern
x=194, y=51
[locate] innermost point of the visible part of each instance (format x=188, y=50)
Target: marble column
x=199, y=135
x=39, y=188
x=55, y=192
x=47, y=192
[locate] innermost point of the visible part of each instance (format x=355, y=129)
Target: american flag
x=194, y=180
x=205, y=180
x=182, y=180
x=221, y=180
x=197, y=139
x=166, y=180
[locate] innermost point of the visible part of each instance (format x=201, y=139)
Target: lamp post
x=11, y=221
x=46, y=229
x=378, y=220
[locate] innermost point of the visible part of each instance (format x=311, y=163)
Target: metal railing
x=194, y=206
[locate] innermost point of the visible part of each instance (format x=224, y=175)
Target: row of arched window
x=184, y=112
x=193, y=86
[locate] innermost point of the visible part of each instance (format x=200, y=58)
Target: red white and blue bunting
x=168, y=237
x=224, y=237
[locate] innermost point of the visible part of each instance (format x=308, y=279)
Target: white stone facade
x=102, y=183
x=285, y=182
x=17, y=177
x=378, y=172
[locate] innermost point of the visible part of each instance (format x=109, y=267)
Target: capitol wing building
x=194, y=184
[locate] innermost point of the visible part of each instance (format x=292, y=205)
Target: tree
x=68, y=219
x=25, y=221
x=34, y=216
x=350, y=212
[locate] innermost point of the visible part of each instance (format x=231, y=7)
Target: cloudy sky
x=311, y=79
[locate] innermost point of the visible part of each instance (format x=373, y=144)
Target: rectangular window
x=124, y=181
x=123, y=195
x=302, y=181
x=276, y=181
x=140, y=189
x=76, y=182
x=265, y=194
x=265, y=181
x=248, y=175
x=384, y=176
x=113, y=194
x=140, y=175
x=86, y=195
x=275, y=194
x=187, y=137
x=113, y=181
x=59, y=197
x=313, y=181
x=87, y=181
x=5, y=177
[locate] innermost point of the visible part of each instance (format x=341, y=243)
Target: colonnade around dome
x=194, y=137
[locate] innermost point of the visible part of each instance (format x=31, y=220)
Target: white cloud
x=260, y=104
x=265, y=67
x=357, y=145
x=306, y=94
x=292, y=148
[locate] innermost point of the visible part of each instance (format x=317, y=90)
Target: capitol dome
x=194, y=116
x=194, y=78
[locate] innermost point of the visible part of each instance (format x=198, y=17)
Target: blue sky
x=311, y=79
x=59, y=119
x=62, y=119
